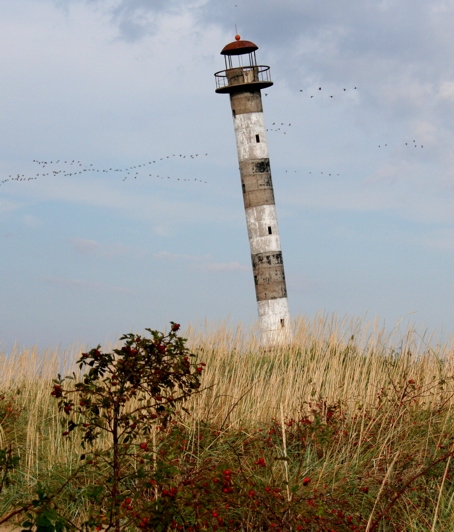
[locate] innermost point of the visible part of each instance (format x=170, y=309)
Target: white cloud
x=162, y=208
x=446, y=91
x=7, y=205
x=165, y=255
x=32, y=221
x=80, y=284
x=223, y=267
x=94, y=248
x=202, y=262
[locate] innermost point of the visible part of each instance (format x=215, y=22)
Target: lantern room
x=241, y=69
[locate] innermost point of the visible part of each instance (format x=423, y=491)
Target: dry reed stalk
x=445, y=473
x=385, y=479
x=339, y=361
x=315, y=365
x=285, y=457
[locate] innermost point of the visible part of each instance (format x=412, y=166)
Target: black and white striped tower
x=243, y=80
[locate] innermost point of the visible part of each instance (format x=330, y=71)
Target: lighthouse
x=243, y=79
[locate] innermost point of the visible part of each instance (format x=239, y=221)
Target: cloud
x=79, y=284
x=137, y=20
x=202, y=263
x=96, y=249
x=223, y=267
x=162, y=209
x=9, y=205
x=446, y=91
x=395, y=190
x=165, y=255
x=32, y=221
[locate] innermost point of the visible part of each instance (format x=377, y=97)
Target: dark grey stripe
x=269, y=275
x=256, y=182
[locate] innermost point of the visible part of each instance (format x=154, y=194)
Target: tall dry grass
x=335, y=360
x=346, y=362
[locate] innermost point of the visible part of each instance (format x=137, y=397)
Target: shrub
x=121, y=400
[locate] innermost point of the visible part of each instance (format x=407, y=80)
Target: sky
x=120, y=196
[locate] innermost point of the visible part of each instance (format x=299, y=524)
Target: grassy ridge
x=345, y=429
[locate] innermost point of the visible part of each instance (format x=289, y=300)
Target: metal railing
x=242, y=75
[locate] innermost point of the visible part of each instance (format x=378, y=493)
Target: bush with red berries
x=9, y=412
x=143, y=468
x=122, y=399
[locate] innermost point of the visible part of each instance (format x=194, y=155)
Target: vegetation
x=345, y=429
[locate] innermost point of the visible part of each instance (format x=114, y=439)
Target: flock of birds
x=318, y=93
x=314, y=173
x=335, y=174
x=75, y=167
x=69, y=168
x=406, y=144
x=278, y=128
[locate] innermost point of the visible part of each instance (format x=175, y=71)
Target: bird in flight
x=67, y=172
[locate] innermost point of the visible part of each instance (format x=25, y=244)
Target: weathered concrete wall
x=261, y=218
x=246, y=102
x=274, y=321
x=256, y=182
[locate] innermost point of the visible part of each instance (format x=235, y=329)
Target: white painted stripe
x=247, y=126
x=271, y=312
x=273, y=330
x=258, y=219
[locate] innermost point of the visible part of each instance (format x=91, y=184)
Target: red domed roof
x=239, y=47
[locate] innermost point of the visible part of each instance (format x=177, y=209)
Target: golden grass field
x=382, y=382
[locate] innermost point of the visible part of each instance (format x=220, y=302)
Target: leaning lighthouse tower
x=243, y=80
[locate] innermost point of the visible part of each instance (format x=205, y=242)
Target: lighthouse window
x=244, y=188
x=282, y=323
x=233, y=113
x=270, y=232
x=257, y=138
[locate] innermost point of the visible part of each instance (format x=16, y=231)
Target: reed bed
x=396, y=388
x=330, y=359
